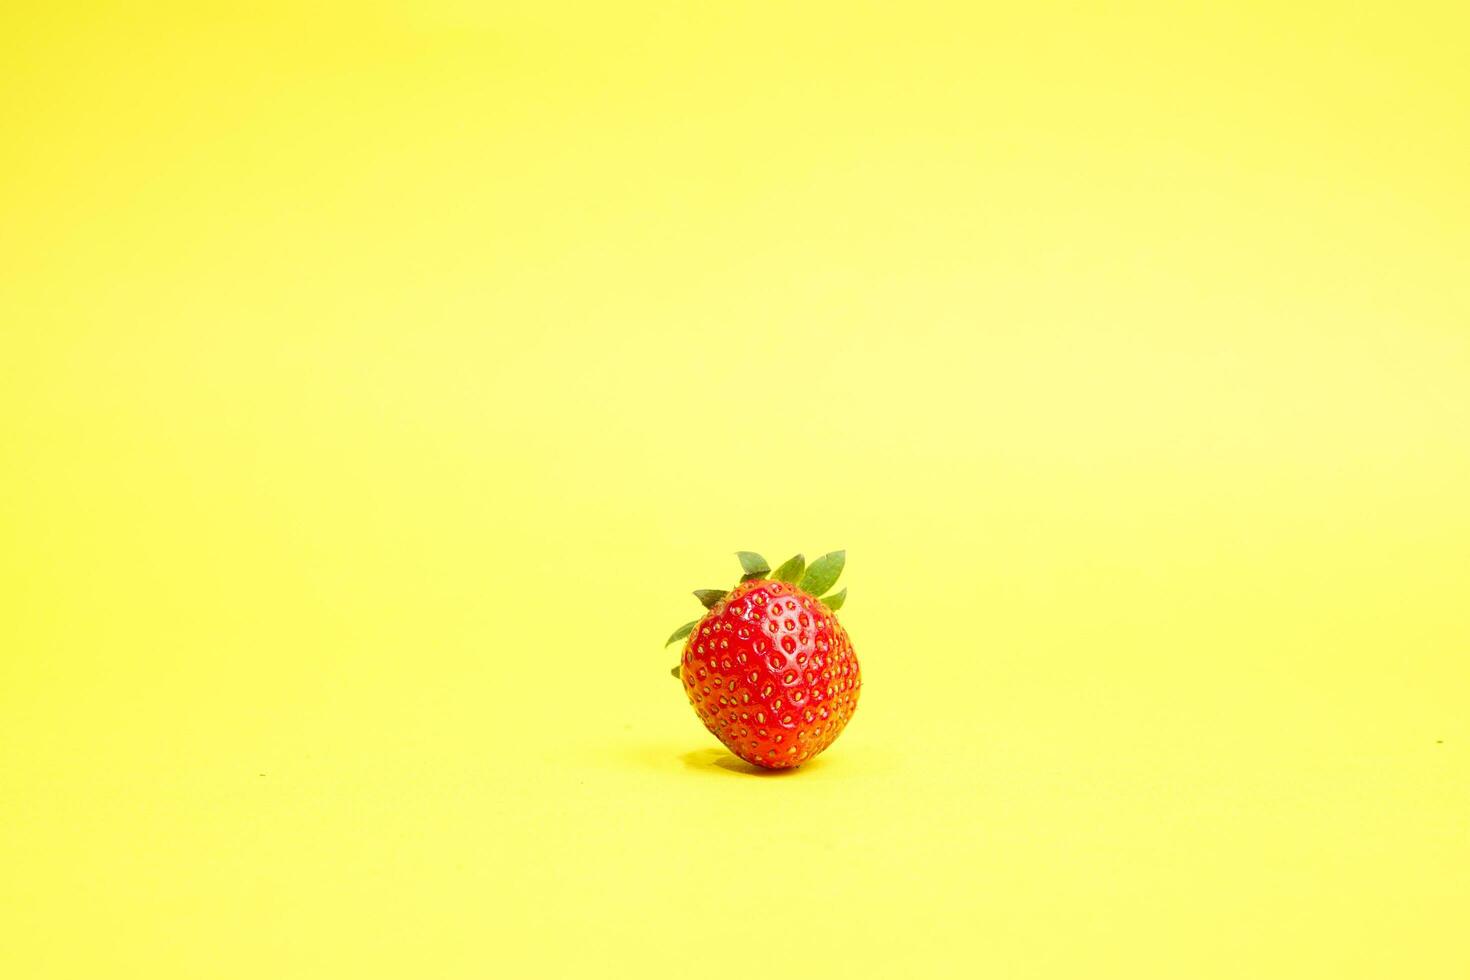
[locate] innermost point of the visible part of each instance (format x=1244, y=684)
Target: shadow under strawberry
x=710, y=760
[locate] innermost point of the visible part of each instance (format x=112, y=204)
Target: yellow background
x=377, y=382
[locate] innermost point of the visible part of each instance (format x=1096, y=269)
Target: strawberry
x=769, y=670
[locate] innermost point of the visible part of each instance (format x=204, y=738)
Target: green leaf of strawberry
x=753, y=565
x=835, y=600
x=823, y=573
x=682, y=631
x=710, y=596
x=790, y=571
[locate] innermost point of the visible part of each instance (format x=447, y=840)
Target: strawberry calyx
x=752, y=565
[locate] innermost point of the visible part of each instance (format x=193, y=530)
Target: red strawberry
x=769, y=670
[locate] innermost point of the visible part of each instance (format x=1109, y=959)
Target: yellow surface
x=375, y=384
